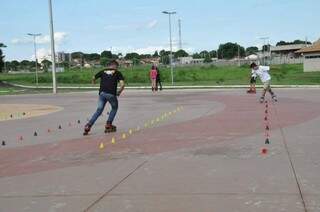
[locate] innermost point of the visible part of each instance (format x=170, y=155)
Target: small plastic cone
x=101, y=146
x=264, y=151
x=124, y=136
x=113, y=140
x=267, y=141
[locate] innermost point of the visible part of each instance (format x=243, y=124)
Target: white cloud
x=21, y=41
x=152, y=24
x=44, y=39
x=42, y=54
x=116, y=27
x=138, y=26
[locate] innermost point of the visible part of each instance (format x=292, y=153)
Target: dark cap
x=113, y=62
x=252, y=65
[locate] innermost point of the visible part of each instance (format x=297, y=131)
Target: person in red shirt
x=153, y=78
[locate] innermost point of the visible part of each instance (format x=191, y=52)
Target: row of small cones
x=146, y=125
x=21, y=138
x=11, y=116
x=267, y=128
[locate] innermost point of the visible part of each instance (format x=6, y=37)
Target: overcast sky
x=127, y=26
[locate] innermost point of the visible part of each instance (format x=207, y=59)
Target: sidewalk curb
x=170, y=87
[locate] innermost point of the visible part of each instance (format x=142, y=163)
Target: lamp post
x=169, y=13
x=35, y=52
x=264, y=43
x=53, y=55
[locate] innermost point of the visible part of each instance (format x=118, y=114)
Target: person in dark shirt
x=109, y=79
x=158, y=81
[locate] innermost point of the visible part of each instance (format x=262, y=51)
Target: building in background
x=311, y=57
x=286, y=54
x=63, y=57
x=189, y=61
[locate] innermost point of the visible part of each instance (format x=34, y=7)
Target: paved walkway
x=174, y=151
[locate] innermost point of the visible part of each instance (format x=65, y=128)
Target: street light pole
x=35, y=53
x=53, y=55
x=264, y=43
x=171, y=66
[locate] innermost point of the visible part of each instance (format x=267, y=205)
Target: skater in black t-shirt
x=109, y=79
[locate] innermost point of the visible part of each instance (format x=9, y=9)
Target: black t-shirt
x=109, y=81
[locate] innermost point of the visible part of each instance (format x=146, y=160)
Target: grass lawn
x=139, y=76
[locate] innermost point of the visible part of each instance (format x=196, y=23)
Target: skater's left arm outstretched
x=122, y=84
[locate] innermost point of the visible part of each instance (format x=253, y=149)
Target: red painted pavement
x=242, y=116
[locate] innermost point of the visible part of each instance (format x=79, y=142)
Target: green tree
x=207, y=59
x=77, y=55
x=181, y=53
x=104, y=61
x=230, y=50
x=251, y=50
x=25, y=64
x=282, y=43
x=92, y=57
x=106, y=54
x=213, y=53
x=15, y=65
x=131, y=56
x=165, y=59
x=156, y=54
x=2, y=56
x=46, y=64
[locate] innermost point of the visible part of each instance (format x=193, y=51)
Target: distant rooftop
x=314, y=48
x=292, y=47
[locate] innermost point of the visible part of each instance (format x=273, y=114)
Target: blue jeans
x=103, y=99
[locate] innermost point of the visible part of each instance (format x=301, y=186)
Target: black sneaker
x=87, y=129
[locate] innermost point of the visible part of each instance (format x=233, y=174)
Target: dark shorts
x=253, y=80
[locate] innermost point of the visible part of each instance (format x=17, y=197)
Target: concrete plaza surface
x=183, y=150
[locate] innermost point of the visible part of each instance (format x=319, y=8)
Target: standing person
x=109, y=79
x=263, y=73
x=158, y=81
x=253, y=81
x=153, y=77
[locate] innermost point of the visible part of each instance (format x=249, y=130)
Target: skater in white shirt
x=263, y=73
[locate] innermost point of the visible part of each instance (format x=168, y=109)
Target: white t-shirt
x=263, y=73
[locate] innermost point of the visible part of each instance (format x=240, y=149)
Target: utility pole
x=238, y=55
x=264, y=43
x=35, y=53
x=180, y=38
x=171, y=65
x=53, y=55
